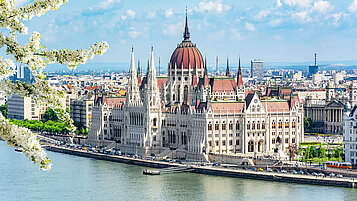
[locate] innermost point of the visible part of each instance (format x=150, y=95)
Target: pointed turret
x=239, y=76
x=227, y=70
x=139, y=73
x=133, y=96
x=186, y=33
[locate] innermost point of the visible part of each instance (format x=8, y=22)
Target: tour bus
x=335, y=164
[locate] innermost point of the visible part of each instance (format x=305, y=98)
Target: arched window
x=224, y=125
x=248, y=125
x=253, y=125
x=209, y=126
x=280, y=124
x=273, y=124
x=293, y=124
x=251, y=146
x=286, y=124
x=258, y=125
x=154, y=122
x=237, y=125
x=263, y=125
x=216, y=126
x=230, y=125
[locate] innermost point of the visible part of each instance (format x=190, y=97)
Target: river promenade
x=218, y=171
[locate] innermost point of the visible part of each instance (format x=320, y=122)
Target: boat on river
x=151, y=172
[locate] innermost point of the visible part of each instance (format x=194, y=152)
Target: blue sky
x=273, y=30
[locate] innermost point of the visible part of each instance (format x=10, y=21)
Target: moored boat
x=151, y=172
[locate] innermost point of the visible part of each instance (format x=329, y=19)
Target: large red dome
x=186, y=55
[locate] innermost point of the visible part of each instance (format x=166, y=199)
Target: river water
x=77, y=178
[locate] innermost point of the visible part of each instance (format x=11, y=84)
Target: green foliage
x=3, y=110
x=313, y=152
x=35, y=125
x=50, y=115
x=337, y=153
x=322, y=152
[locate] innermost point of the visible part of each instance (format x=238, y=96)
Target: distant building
x=353, y=93
x=81, y=110
x=257, y=69
x=23, y=108
x=22, y=74
x=350, y=134
x=316, y=78
x=338, y=77
x=313, y=69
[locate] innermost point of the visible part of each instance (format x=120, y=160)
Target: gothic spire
x=227, y=70
x=132, y=63
x=239, y=76
x=139, y=72
x=186, y=34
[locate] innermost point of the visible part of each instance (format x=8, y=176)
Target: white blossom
x=35, y=57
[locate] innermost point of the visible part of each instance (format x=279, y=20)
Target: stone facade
x=194, y=114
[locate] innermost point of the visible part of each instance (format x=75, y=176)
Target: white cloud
x=173, y=29
x=236, y=34
x=278, y=3
x=262, y=14
x=168, y=13
x=275, y=22
x=249, y=26
x=336, y=17
x=124, y=17
x=151, y=14
x=108, y=3
x=353, y=6
x=212, y=6
x=133, y=33
x=131, y=13
x=302, y=16
x=300, y=3
x=322, y=6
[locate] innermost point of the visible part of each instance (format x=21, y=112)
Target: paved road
x=323, y=139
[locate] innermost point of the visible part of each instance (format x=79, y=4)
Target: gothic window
x=224, y=126
x=286, y=140
x=237, y=125
x=286, y=124
x=273, y=124
x=230, y=142
x=293, y=140
x=253, y=125
x=223, y=143
x=210, y=126
x=293, y=124
x=273, y=141
x=237, y=142
x=248, y=125
x=280, y=124
x=258, y=125
x=216, y=126
x=154, y=122
x=263, y=125
x=216, y=142
x=230, y=125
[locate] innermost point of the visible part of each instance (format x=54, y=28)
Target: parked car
x=300, y=172
x=260, y=169
x=244, y=168
x=254, y=169
x=339, y=176
x=314, y=174
x=269, y=170
x=276, y=170
x=283, y=171
x=331, y=175
x=320, y=174
x=293, y=172
x=306, y=173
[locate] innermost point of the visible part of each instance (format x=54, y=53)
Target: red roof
x=221, y=85
x=186, y=55
x=229, y=107
x=161, y=82
x=278, y=106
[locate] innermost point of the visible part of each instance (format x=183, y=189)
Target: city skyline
x=270, y=30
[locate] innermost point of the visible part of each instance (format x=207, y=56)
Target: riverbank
x=227, y=172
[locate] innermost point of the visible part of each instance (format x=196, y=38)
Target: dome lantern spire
x=186, y=34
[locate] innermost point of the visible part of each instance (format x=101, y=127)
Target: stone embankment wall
x=290, y=178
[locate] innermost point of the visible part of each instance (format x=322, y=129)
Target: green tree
x=313, y=152
x=337, y=153
x=50, y=114
x=3, y=110
x=307, y=153
x=322, y=152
